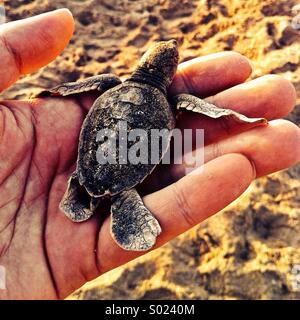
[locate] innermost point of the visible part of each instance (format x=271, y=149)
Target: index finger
x=208, y=75
x=29, y=44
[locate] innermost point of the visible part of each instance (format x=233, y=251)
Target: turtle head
x=162, y=57
x=158, y=64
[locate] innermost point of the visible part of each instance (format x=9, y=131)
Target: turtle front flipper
x=100, y=83
x=76, y=203
x=191, y=103
x=133, y=226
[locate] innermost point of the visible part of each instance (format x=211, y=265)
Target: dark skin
x=47, y=256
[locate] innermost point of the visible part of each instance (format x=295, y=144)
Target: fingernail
x=64, y=10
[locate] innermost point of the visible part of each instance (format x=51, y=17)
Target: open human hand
x=47, y=256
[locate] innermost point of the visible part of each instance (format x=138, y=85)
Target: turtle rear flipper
x=100, y=83
x=76, y=203
x=133, y=226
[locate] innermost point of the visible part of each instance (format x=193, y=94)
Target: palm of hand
x=39, y=147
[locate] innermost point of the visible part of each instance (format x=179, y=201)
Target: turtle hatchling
x=140, y=101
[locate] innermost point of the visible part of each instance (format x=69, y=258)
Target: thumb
x=29, y=44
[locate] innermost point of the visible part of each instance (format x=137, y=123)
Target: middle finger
x=269, y=97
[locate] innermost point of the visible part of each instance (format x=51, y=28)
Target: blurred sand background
x=248, y=251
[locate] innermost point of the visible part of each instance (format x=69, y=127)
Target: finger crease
x=183, y=205
x=12, y=52
x=216, y=150
x=224, y=125
x=252, y=163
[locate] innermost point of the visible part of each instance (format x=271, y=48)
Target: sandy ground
x=249, y=250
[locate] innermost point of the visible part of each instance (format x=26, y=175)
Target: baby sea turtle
x=141, y=101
